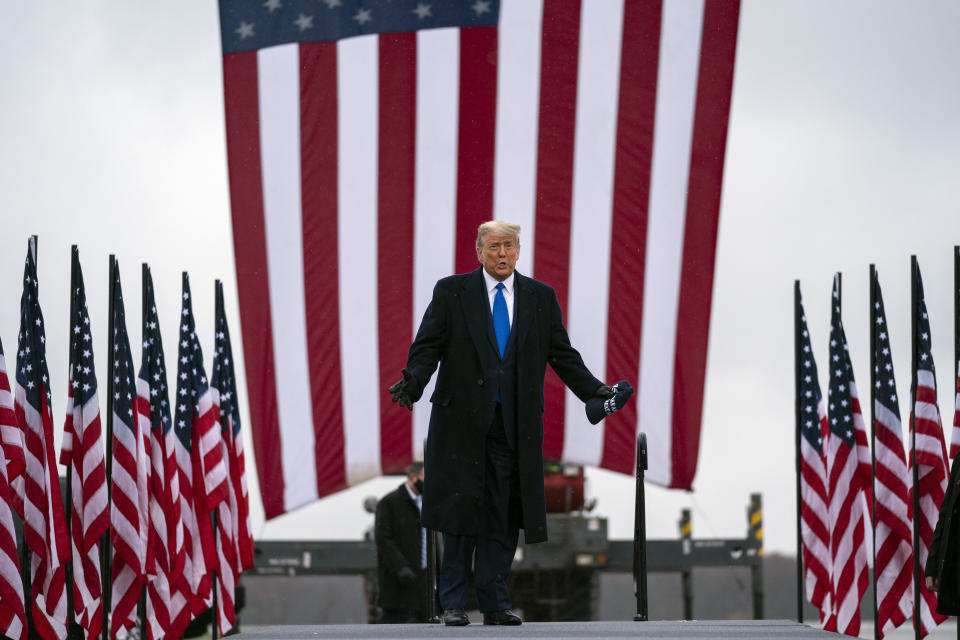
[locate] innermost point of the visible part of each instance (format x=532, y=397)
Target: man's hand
x=607, y=400
x=404, y=390
x=406, y=576
x=603, y=391
x=932, y=583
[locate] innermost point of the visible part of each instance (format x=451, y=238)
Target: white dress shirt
x=507, y=291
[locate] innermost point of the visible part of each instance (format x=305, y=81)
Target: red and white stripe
x=185, y=580
x=814, y=520
x=209, y=478
x=228, y=565
x=955, y=432
x=13, y=619
x=11, y=437
x=238, y=472
x=129, y=514
x=191, y=596
x=45, y=527
x=209, y=457
x=933, y=472
x=894, y=529
x=850, y=493
x=348, y=205
x=82, y=451
x=165, y=537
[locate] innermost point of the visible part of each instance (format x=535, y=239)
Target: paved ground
x=774, y=629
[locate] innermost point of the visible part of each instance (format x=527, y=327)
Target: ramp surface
x=773, y=629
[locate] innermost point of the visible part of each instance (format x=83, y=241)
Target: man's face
x=499, y=255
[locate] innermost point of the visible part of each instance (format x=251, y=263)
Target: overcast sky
x=843, y=149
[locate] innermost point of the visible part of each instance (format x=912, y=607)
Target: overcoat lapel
x=475, y=305
x=526, y=303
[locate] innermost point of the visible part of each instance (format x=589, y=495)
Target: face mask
x=418, y=486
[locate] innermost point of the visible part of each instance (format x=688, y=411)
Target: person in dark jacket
x=942, y=570
x=400, y=551
x=492, y=331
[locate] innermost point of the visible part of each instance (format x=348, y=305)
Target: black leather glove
x=406, y=576
x=405, y=391
x=603, y=391
x=599, y=406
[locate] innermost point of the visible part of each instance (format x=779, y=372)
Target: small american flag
x=848, y=468
x=814, y=517
x=82, y=452
x=11, y=437
x=234, y=542
x=931, y=453
x=13, y=619
x=894, y=537
x=45, y=527
x=203, y=472
x=130, y=478
x=226, y=382
x=165, y=602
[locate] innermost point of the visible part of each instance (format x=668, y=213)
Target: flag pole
x=142, y=604
x=71, y=614
x=913, y=446
x=105, y=550
x=24, y=550
x=796, y=442
x=872, y=315
x=215, y=616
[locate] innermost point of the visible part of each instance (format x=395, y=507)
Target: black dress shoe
x=455, y=618
x=501, y=617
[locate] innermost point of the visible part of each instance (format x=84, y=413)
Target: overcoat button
x=480, y=381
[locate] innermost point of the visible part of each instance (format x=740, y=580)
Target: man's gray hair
x=414, y=468
x=498, y=227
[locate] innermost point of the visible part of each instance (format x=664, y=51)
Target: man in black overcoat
x=400, y=551
x=492, y=331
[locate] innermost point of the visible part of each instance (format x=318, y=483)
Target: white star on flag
x=304, y=22
x=481, y=7
x=422, y=11
x=363, y=16
x=245, y=30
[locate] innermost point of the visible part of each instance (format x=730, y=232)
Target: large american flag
x=893, y=515
x=931, y=452
x=45, y=527
x=367, y=140
x=164, y=600
x=234, y=537
x=814, y=516
x=130, y=478
x=82, y=451
x=849, y=473
x=13, y=619
x=203, y=471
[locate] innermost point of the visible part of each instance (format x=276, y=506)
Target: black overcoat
x=398, y=537
x=943, y=561
x=455, y=333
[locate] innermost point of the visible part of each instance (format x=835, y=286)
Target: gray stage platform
x=775, y=629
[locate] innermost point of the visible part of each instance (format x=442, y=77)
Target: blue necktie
x=501, y=319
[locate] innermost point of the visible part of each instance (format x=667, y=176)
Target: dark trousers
x=497, y=542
